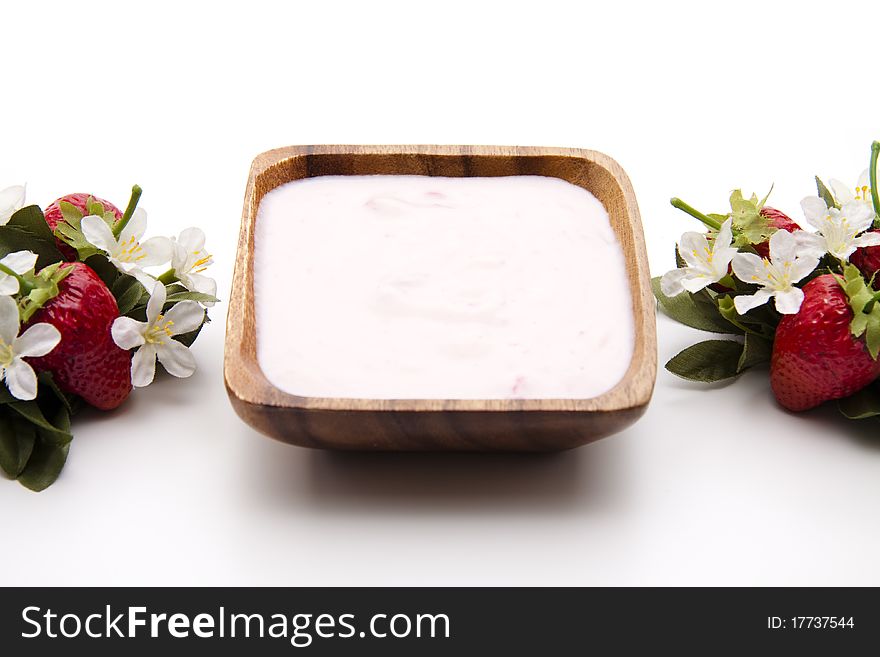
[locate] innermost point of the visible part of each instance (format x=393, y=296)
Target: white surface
x=419, y=287
x=713, y=486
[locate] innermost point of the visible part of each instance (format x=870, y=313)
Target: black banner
x=443, y=621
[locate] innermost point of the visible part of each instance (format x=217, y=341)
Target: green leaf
x=73, y=237
x=697, y=314
x=866, y=311
x=70, y=232
x=129, y=292
x=749, y=226
x=826, y=194
x=31, y=411
x=709, y=361
x=18, y=238
x=756, y=351
x=6, y=396
x=190, y=296
x=679, y=261
x=105, y=269
x=45, y=287
x=138, y=311
x=61, y=420
x=27, y=230
x=122, y=283
x=44, y=466
x=187, y=339
x=47, y=383
x=70, y=213
x=861, y=405
x=32, y=220
x=17, y=439
x=94, y=207
x=763, y=201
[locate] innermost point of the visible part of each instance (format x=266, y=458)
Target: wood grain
x=454, y=424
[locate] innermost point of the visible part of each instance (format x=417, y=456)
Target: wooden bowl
x=417, y=424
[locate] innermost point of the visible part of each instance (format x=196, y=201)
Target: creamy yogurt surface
x=418, y=287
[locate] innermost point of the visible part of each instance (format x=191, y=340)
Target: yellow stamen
x=160, y=329
x=201, y=264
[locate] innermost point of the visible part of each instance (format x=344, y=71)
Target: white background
x=716, y=485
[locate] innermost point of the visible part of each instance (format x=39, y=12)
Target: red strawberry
x=815, y=356
x=80, y=202
x=777, y=219
x=86, y=362
x=867, y=259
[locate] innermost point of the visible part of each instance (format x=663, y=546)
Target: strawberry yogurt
x=417, y=287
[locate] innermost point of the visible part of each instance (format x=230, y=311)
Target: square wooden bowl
x=416, y=424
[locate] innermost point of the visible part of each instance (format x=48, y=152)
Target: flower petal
x=783, y=247
x=815, y=210
x=670, y=283
x=139, y=274
x=749, y=268
x=186, y=316
x=192, y=239
x=8, y=284
x=207, y=285
x=20, y=261
x=725, y=235
x=859, y=215
x=136, y=226
x=745, y=302
x=179, y=259
x=157, y=300
x=9, y=321
x=803, y=266
x=842, y=193
x=176, y=359
x=11, y=199
x=12, y=196
x=128, y=333
x=788, y=302
x=696, y=281
x=867, y=239
x=38, y=340
x=21, y=380
x=156, y=251
x=143, y=366
x=693, y=248
x=810, y=244
x=98, y=233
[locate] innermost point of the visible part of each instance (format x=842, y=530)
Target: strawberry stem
x=696, y=214
x=136, y=192
x=23, y=286
x=872, y=174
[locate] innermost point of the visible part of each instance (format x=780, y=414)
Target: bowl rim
x=247, y=384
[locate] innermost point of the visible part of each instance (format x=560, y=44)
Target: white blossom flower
x=19, y=262
x=127, y=252
x=11, y=199
x=155, y=338
x=189, y=259
x=38, y=340
x=705, y=264
x=862, y=193
x=776, y=276
x=839, y=232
